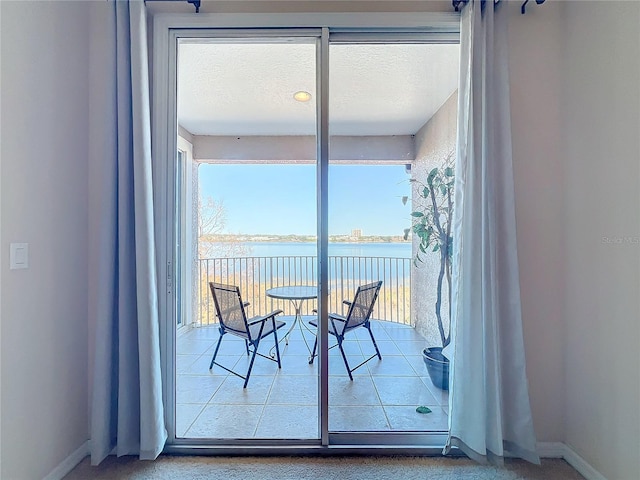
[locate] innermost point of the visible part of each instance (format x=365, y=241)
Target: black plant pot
x=437, y=366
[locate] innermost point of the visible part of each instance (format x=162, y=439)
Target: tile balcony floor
x=282, y=404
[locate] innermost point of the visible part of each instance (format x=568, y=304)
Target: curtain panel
x=127, y=413
x=489, y=409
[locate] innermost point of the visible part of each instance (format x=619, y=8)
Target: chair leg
x=375, y=345
x=275, y=337
x=253, y=357
x=344, y=356
x=215, y=354
x=246, y=345
x=313, y=354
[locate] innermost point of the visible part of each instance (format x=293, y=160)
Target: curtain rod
x=456, y=4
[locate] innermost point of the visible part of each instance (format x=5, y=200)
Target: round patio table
x=296, y=294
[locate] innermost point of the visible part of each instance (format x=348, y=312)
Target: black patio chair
x=357, y=316
x=230, y=311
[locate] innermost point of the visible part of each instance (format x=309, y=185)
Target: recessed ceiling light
x=302, y=96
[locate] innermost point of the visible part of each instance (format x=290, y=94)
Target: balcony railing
x=255, y=275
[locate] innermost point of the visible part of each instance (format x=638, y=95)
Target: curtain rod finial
x=522, y=9
x=456, y=4
x=195, y=3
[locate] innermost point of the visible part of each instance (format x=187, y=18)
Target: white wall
x=575, y=101
x=44, y=202
x=434, y=142
x=601, y=104
x=535, y=65
x=303, y=149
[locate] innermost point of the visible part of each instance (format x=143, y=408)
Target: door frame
x=325, y=27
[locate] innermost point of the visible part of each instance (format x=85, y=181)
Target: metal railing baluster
x=255, y=275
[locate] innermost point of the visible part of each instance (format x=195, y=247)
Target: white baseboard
x=551, y=449
x=561, y=450
x=69, y=463
x=581, y=465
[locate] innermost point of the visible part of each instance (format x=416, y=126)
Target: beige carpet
x=318, y=468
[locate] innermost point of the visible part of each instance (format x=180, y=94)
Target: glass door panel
x=391, y=107
x=248, y=108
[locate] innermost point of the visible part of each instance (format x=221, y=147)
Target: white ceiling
x=247, y=89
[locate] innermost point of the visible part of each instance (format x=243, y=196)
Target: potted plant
x=431, y=222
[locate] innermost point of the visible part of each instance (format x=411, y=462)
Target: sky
x=280, y=199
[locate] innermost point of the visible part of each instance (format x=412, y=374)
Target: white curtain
x=127, y=411
x=489, y=410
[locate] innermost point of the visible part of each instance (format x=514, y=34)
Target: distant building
x=356, y=232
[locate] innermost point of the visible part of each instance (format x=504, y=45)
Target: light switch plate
x=19, y=256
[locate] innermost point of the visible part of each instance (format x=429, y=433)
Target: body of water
x=280, y=249
x=286, y=262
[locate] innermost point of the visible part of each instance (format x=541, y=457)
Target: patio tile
x=442, y=396
x=231, y=391
x=361, y=334
x=309, y=332
x=226, y=421
x=288, y=421
x=338, y=368
x=197, y=388
x=417, y=363
x=360, y=391
x=193, y=345
x=406, y=334
x=201, y=365
x=358, y=419
x=350, y=347
x=377, y=325
x=189, y=333
x=403, y=391
x=298, y=365
x=231, y=346
x=183, y=362
x=385, y=324
x=408, y=347
x=294, y=390
x=386, y=347
x=296, y=347
x=368, y=349
x=185, y=415
x=209, y=332
x=405, y=418
x=261, y=366
x=395, y=366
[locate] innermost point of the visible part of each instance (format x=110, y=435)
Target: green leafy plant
x=431, y=223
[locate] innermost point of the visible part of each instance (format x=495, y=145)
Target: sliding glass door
x=386, y=101
x=297, y=173
x=248, y=108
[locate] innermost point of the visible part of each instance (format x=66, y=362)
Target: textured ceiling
x=247, y=89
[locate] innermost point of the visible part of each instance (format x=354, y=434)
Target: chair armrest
x=265, y=317
x=334, y=316
x=339, y=318
x=347, y=302
x=245, y=304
